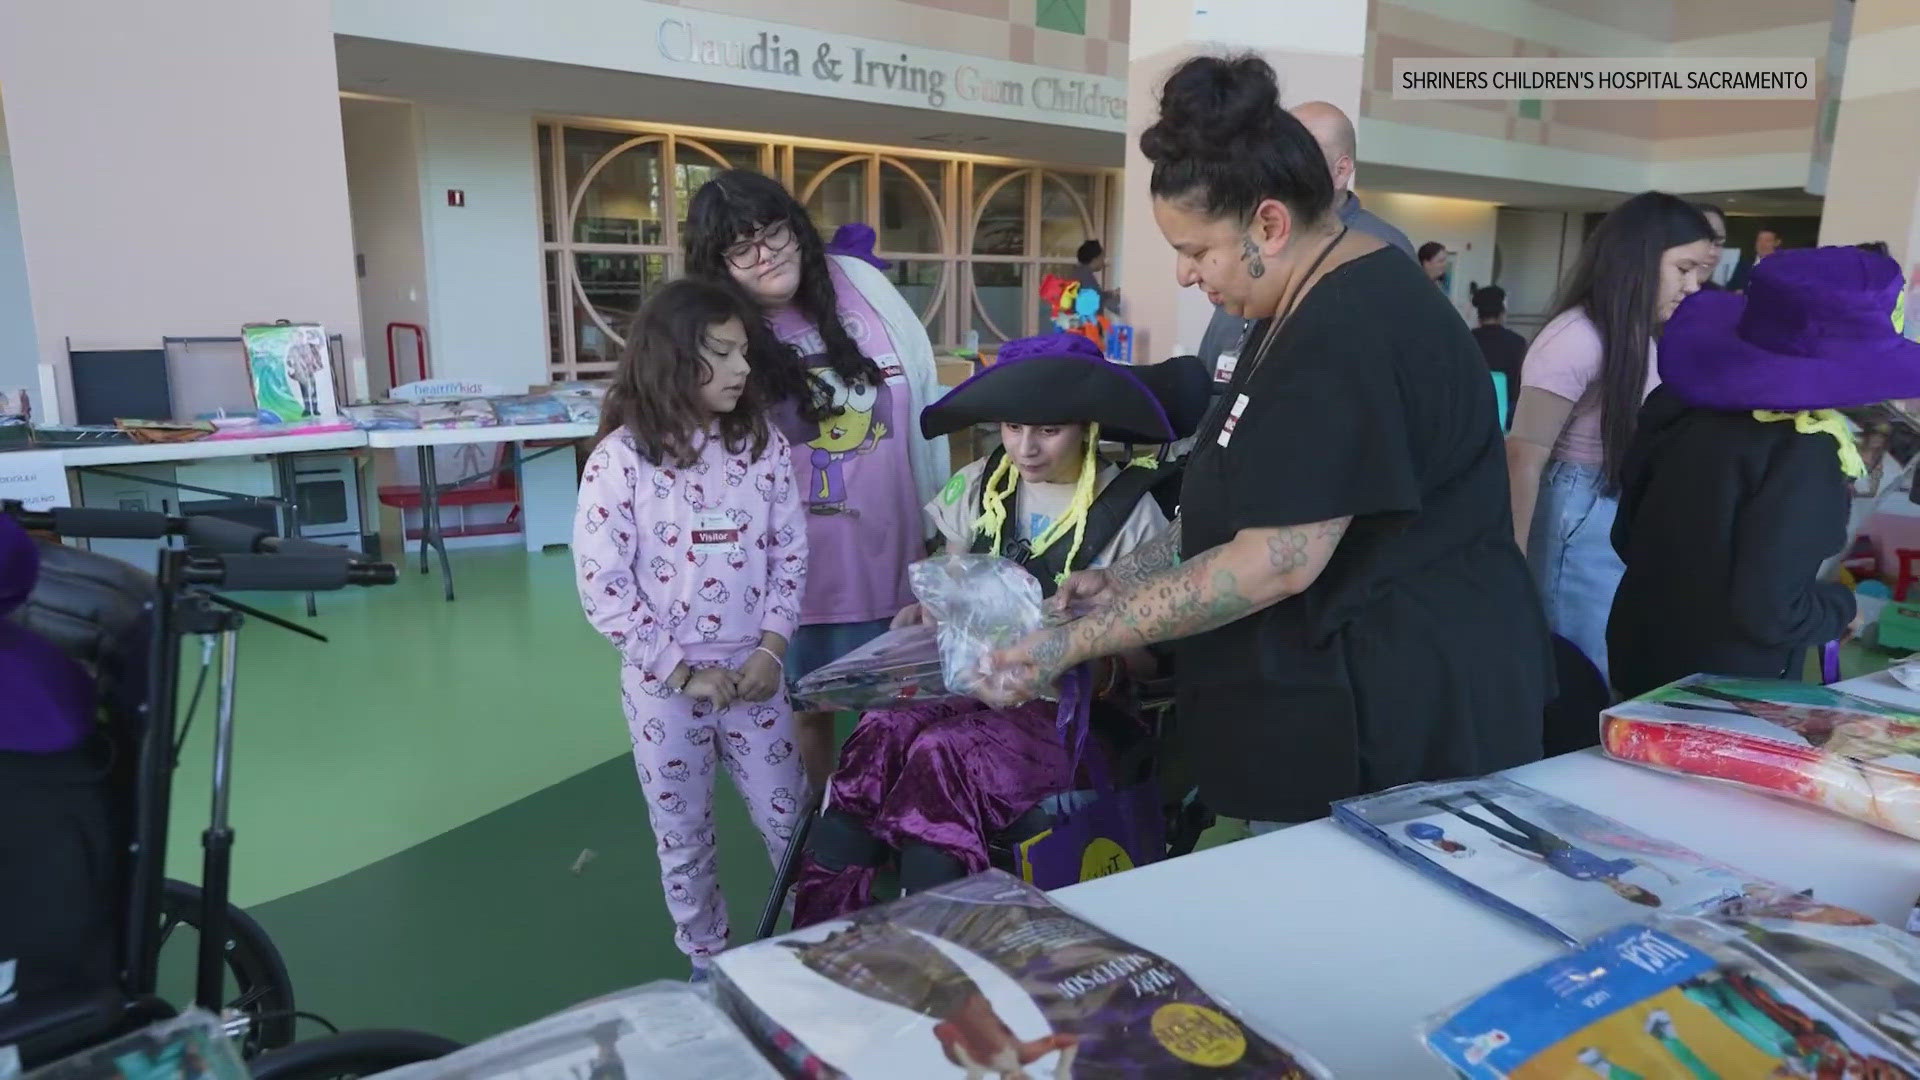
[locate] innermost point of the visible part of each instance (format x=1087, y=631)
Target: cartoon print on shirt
x=667, y=533
x=862, y=417
x=708, y=626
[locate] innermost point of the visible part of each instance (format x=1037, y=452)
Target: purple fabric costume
x=946, y=774
x=49, y=697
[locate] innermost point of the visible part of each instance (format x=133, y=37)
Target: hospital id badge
x=1223, y=367
x=715, y=532
x=1233, y=419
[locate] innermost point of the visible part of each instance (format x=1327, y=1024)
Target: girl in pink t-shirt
x=846, y=366
x=1581, y=386
x=691, y=556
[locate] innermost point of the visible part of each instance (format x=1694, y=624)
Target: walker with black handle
x=218, y=554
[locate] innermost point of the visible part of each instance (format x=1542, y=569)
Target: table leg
x=430, y=533
x=287, y=483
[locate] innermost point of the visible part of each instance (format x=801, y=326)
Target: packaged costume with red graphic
x=985, y=978
x=1808, y=743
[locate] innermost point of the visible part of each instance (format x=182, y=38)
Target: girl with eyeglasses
x=847, y=367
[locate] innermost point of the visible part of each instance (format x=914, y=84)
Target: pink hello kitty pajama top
x=692, y=565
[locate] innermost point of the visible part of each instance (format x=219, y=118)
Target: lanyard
x=1220, y=410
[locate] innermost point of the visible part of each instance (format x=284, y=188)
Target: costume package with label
x=1808, y=743
x=1560, y=868
x=190, y=1046
x=1782, y=987
x=984, y=977
x=660, y=1031
x=975, y=604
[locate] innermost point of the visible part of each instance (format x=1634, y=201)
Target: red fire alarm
x=456, y=197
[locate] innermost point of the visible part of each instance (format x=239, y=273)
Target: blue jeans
x=1571, y=552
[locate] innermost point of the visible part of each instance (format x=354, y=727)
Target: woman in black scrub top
x=1342, y=579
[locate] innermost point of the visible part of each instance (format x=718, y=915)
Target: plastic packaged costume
x=1807, y=743
x=985, y=978
x=1781, y=987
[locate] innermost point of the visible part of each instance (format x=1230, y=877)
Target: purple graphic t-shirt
x=855, y=476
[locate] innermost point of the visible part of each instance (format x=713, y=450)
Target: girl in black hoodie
x=1736, y=487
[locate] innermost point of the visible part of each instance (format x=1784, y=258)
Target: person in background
x=690, y=553
x=1735, y=488
x=1332, y=130
x=1091, y=261
x=1434, y=259
x=1766, y=241
x=1718, y=221
x=1584, y=378
x=848, y=375
x=1350, y=610
x=1504, y=349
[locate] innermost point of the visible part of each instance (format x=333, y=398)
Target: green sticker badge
x=955, y=488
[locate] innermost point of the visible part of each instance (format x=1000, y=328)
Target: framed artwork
x=291, y=368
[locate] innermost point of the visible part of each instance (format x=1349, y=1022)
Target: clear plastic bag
x=974, y=603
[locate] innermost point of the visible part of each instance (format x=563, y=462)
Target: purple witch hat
x=1814, y=331
x=856, y=240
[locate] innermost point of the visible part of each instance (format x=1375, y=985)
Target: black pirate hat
x=1064, y=379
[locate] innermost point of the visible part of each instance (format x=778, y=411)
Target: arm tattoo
x=1199, y=595
x=1159, y=554
x=1250, y=254
x=1292, y=549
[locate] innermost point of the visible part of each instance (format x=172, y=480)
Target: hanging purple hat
x=856, y=240
x=1813, y=331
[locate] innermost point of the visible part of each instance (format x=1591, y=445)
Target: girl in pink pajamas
x=690, y=550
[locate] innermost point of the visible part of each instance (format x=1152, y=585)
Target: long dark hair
x=737, y=204
x=1224, y=145
x=1615, y=281
x=655, y=392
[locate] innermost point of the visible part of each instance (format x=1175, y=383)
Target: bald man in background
x=1334, y=132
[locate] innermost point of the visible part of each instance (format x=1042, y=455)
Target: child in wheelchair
x=932, y=785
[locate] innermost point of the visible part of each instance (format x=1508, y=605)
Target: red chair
x=500, y=488
x=1907, y=576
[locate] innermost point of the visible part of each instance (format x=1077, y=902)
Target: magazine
x=1690, y=997
x=1560, y=868
x=386, y=416
x=1808, y=743
x=660, y=1031
x=190, y=1046
x=980, y=978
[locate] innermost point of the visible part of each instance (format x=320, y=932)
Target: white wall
x=1536, y=249
x=1466, y=226
x=178, y=167
x=483, y=272
x=383, y=187
x=19, y=348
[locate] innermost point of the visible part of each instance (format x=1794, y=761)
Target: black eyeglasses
x=775, y=239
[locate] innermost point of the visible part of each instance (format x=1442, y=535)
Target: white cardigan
x=929, y=457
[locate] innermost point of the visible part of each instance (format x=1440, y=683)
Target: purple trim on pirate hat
x=857, y=241
x=1814, y=331
x=1054, y=379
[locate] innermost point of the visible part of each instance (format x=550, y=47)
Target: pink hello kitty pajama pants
x=678, y=746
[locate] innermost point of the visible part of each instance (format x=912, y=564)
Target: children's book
x=985, y=977
x=1563, y=869
x=1808, y=743
x=530, y=409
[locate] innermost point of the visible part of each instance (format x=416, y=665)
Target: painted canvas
x=291, y=370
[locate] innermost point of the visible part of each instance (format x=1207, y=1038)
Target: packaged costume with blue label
x=1786, y=988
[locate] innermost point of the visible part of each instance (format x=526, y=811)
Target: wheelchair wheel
x=258, y=982
x=351, y=1054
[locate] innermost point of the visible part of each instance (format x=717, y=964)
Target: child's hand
x=715, y=686
x=759, y=677
x=911, y=615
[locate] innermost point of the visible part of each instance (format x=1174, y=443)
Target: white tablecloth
x=1311, y=933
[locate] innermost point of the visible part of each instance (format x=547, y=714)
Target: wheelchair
x=1143, y=747
x=106, y=834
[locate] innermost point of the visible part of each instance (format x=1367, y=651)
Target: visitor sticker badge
x=1233, y=419
x=1223, y=367
x=715, y=532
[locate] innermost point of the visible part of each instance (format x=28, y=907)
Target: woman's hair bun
x=1211, y=107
